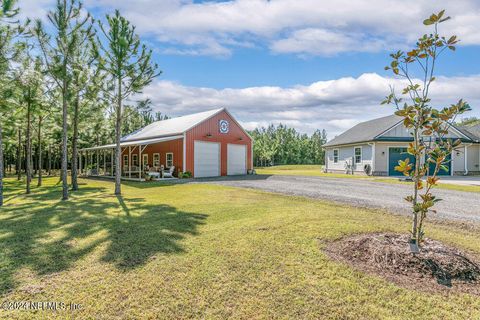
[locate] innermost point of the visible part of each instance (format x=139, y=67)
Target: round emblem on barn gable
x=224, y=126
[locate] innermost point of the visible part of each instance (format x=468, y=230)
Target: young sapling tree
x=429, y=126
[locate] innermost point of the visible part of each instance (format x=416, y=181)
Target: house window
x=169, y=159
x=335, y=155
x=125, y=160
x=135, y=160
x=156, y=159
x=358, y=154
x=145, y=159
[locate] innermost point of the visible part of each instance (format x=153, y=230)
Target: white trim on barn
x=184, y=162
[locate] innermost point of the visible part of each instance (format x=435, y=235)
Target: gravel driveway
x=458, y=205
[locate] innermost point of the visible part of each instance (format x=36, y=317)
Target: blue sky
x=310, y=64
x=258, y=67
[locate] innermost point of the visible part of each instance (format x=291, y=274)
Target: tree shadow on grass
x=49, y=236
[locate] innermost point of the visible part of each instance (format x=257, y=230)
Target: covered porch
x=139, y=162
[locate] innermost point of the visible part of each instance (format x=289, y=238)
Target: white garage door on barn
x=206, y=159
x=236, y=159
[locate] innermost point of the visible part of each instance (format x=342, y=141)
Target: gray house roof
x=473, y=132
x=365, y=131
x=370, y=130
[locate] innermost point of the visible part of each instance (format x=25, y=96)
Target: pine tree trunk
x=64, y=139
x=75, y=144
x=49, y=160
x=24, y=164
x=19, y=155
x=35, y=161
x=29, y=149
x=39, y=163
x=118, y=127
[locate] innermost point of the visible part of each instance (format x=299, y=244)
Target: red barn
x=206, y=144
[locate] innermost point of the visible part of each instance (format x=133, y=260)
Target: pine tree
x=129, y=67
x=70, y=32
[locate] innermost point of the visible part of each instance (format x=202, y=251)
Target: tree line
x=66, y=88
x=469, y=122
x=280, y=144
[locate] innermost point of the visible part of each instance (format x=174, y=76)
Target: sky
x=309, y=64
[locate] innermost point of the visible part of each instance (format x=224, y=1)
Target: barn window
x=156, y=159
x=135, y=160
x=358, y=154
x=125, y=160
x=169, y=159
x=335, y=155
x=145, y=159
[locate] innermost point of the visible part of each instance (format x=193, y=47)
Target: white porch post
x=129, y=161
x=121, y=168
x=104, y=162
x=97, y=158
x=140, y=162
x=86, y=163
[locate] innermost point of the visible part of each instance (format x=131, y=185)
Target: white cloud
x=325, y=42
x=344, y=124
x=334, y=105
x=305, y=27
x=34, y=8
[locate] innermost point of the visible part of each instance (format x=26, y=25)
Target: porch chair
x=153, y=172
x=169, y=172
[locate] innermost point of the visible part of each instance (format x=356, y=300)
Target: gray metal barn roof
x=170, y=126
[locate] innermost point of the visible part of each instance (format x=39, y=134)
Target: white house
x=374, y=147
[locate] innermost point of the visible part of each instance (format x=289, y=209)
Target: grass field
x=316, y=171
x=200, y=251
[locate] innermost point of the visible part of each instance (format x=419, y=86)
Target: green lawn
x=317, y=171
x=201, y=251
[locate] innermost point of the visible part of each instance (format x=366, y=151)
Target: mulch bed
x=437, y=268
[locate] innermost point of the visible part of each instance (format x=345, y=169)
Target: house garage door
x=206, y=159
x=236, y=159
x=396, y=154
